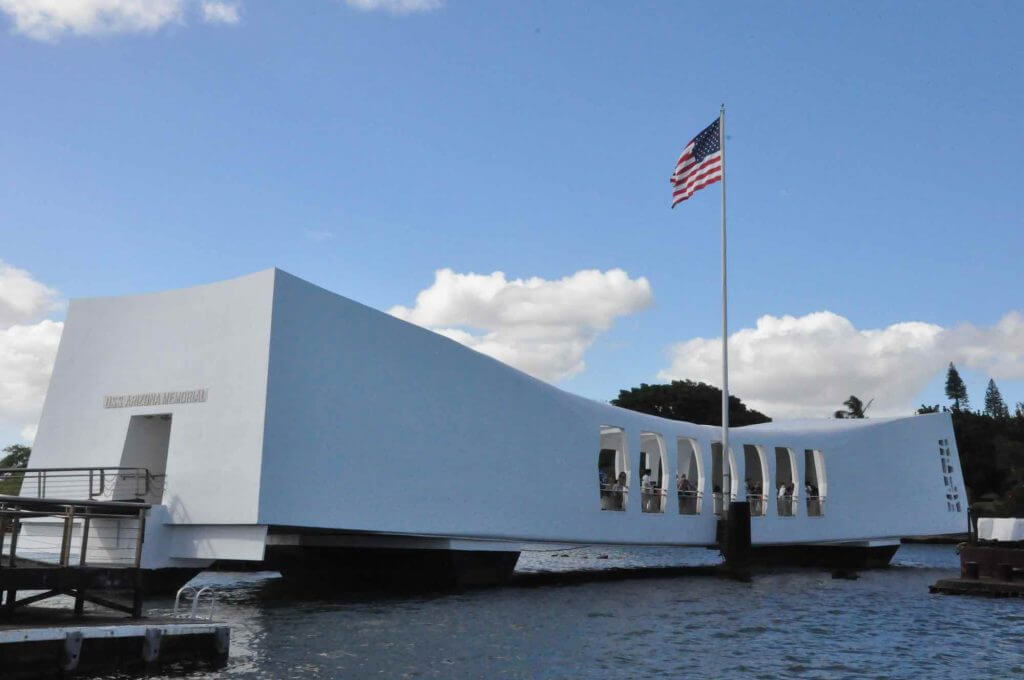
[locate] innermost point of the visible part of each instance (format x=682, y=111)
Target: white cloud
x=28, y=347
x=220, y=12
x=26, y=361
x=806, y=366
x=22, y=298
x=540, y=326
x=396, y=6
x=49, y=20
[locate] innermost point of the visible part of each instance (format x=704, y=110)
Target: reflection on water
x=784, y=624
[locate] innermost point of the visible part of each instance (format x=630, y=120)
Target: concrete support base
x=827, y=556
x=350, y=568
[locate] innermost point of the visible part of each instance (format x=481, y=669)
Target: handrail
x=70, y=469
x=197, y=593
x=100, y=482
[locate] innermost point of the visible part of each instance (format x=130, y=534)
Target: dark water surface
x=784, y=624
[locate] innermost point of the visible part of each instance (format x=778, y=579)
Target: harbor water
x=785, y=623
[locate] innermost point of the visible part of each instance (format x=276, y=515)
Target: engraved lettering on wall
x=155, y=398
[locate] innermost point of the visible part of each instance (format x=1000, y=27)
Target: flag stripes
x=699, y=165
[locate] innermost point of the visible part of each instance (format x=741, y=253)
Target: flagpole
x=725, y=315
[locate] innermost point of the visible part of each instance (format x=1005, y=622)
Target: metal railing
x=758, y=506
x=71, y=535
x=653, y=499
x=38, y=535
x=81, y=483
x=689, y=502
x=720, y=503
x=787, y=506
x=815, y=506
x=612, y=499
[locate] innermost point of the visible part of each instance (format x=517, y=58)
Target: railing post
x=65, y=546
x=140, y=538
x=80, y=594
x=85, y=539
x=15, y=530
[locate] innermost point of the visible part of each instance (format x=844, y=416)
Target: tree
x=925, y=408
x=994, y=404
x=956, y=389
x=694, y=402
x=854, y=409
x=17, y=457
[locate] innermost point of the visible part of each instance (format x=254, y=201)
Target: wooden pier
x=44, y=643
x=87, y=551
x=988, y=567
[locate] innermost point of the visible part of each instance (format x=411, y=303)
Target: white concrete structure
x=285, y=415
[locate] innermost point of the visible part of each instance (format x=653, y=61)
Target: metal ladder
x=196, y=595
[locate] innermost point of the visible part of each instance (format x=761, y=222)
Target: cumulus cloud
x=49, y=20
x=396, y=6
x=28, y=347
x=220, y=12
x=806, y=366
x=540, y=326
x=27, y=353
x=22, y=298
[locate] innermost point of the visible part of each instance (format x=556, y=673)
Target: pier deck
x=48, y=642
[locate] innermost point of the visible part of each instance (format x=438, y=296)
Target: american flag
x=699, y=165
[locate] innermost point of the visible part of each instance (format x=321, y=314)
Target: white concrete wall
x=376, y=425
x=214, y=337
x=367, y=423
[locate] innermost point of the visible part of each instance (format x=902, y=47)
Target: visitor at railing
x=646, y=497
x=688, y=496
x=604, y=485
x=620, y=492
x=787, y=500
x=755, y=498
x=757, y=505
x=815, y=503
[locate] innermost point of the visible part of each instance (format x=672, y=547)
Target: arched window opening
x=785, y=481
x=724, y=485
x=613, y=469
x=689, y=477
x=653, y=472
x=757, y=479
x=815, y=484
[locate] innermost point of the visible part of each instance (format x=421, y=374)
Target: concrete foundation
x=347, y=568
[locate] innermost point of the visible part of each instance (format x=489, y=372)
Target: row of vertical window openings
x=655, y=497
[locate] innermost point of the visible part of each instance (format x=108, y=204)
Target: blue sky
x=873, y=165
